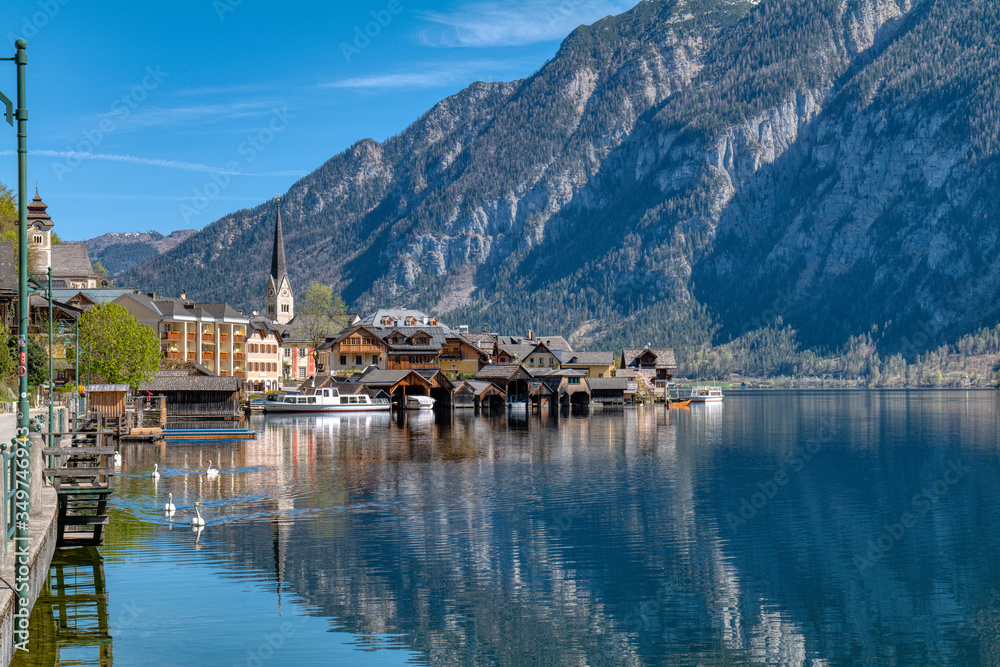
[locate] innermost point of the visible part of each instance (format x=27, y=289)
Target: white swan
x=169, y=507
x=211, y=472
x=118, y=460
x=197, y=520
x=155, y=473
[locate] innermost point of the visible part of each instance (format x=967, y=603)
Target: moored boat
x=706, y=394
x=325, y=399
x=419, y=403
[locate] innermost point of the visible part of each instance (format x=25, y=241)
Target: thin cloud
x=515, y=23
x=462, y=73
x=192, y=115
x=151, y=162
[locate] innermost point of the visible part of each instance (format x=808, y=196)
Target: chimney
x=531, y=334
x=152, y=295
x=184, y=295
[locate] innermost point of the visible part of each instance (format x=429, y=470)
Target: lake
x=799, y=528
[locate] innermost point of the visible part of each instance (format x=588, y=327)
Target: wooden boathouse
x=196, y=397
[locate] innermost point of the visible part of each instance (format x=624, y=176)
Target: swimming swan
x=211, y=472
x=155, y=473
x=197, y=520
x=169, y=507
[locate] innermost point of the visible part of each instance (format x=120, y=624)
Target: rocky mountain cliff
x=687, y=170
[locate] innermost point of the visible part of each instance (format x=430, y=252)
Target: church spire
x=279, y=303
x=278, y=252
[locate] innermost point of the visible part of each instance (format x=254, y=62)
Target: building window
x=303, y=351
x=302, y=373
x=284, y=307
x=288, y=352
x=574, y=380
x=37, y=239
x=343, y=360
x=358, y=360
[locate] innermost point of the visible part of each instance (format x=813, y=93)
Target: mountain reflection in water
x=771, y=528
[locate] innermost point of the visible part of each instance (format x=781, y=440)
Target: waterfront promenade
x=43, y=533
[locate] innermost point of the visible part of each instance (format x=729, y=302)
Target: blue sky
x=168, y=115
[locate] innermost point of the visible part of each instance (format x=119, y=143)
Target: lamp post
x=22, y=584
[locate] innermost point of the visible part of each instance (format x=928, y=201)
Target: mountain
x=689, y=170
x=119, y=251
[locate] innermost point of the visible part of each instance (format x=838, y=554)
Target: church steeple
x=278, y=252
x=279, y=302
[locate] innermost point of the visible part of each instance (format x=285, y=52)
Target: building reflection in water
x=69, y=623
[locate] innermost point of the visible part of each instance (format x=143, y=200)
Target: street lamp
x=22, y=606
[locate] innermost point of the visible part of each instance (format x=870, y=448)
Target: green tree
x=102, y=273
x=122, y=350
x=319, y=314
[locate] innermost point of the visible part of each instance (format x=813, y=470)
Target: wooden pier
x=82, y=474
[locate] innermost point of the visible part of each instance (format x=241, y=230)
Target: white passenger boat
x=706, y=394
x=325, y=399
x=419, y=403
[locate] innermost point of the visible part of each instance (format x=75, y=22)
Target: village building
x=466, y=354
x=478, y=394
x=263, y=355
x=413, y=348
x=656, y=364
x=279, y=302
x=597, y=364
x=70, y=262
x=356, y=348
x=210, y=334
x=512, y=379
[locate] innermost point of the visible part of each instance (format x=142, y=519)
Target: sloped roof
x=517, y=351
x=608, y=384
x=378, y=376
x=97, y=295
x=399, y=315
x=106, y=388
x=664, y=357
x=478, y=387
x=163, y=382
x=499, y=371
x=552, y=342
x=71, y=260
x=588, y=359
x=37, y=214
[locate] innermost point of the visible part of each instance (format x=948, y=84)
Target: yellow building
x=211, y=334
x=597, y=364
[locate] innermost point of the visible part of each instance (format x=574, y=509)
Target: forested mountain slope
x=683, y=171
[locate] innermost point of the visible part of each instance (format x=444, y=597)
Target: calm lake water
x=782, y=528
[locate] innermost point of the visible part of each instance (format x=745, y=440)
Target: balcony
x=239, y=356
x=223, y=338
x=191, y=336
x=173, y=354
x=192, y=356
x=208, y=355
x=240, y=374
x=207, y=337
x=224, y=373
x=239, y=338
x=223, y=356
x=171, y=335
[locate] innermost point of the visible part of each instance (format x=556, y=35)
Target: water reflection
x=717, y=534
x=69, y=623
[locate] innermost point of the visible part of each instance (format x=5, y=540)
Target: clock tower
x=279, y=304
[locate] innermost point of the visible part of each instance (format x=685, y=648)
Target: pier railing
x=9, y=491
